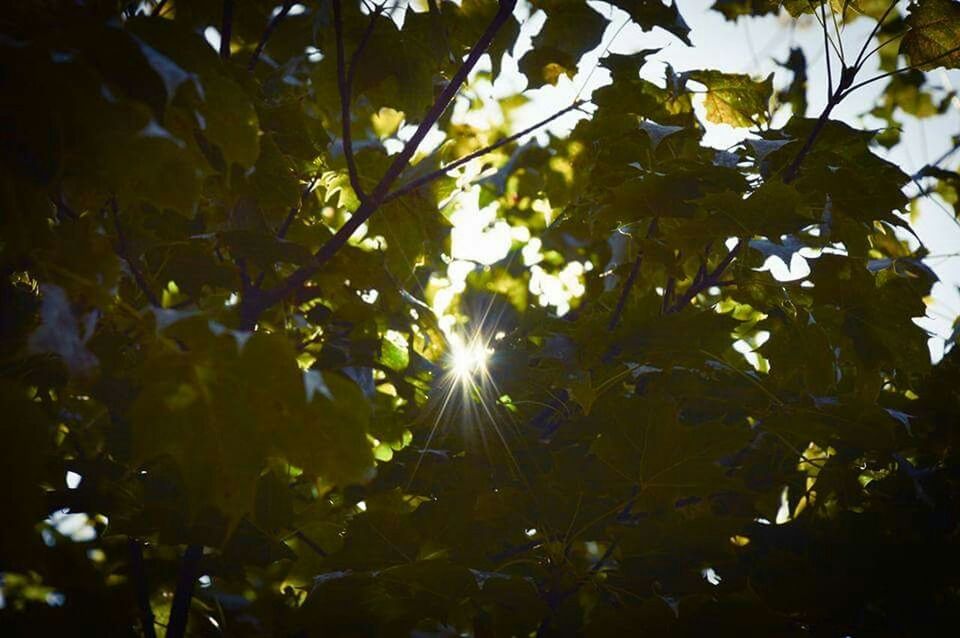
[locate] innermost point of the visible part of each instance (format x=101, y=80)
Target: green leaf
x=733, y=9
x=735, y=99
x=934, y=37
x=331, y=442
x=668, y=460
x=274, y=182
x=796, y=93
x=626, y=67
x=230, y=120
x=225, y=114
x=657, y=132
x=263, y=249
x=572, y=29
x=654, y=13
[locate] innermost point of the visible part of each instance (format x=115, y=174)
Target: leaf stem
x=284, y=10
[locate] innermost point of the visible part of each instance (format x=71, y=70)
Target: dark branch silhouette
x=226, y=29
x=253, y=305
x=180, y=607
x=142, y=591
x=345, y=86
x=627, y=286
x=703, y=280
x=277, y=19
x=440, y=172
x=124, y=253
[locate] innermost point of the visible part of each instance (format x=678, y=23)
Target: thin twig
x=826, y=47
x=288, y=220
x=793, y=169
x=822, y=23
x=226, y=29
x=122, y=250
x=245, y=282
x=180, y=607
x=440, y=172
x=345, y=86
x=364, y=40
x=306, y=540
x=858, y=63
x=606, y=556
x=252, y=307
x=838, y=32
x=285, y=226
x=704, y=280
x=284, y=10
x=627, y=286
x=940, y=160
x=668, y=291
x=141, y=588
x=882, y=44
x=902, y=69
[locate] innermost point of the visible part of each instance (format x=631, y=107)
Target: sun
x=468, y=358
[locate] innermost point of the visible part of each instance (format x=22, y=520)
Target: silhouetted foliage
x=218, y=305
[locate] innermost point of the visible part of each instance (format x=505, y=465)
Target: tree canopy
x=259, y=377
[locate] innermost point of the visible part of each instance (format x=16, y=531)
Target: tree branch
x=902, y=69
x=345, y=86
x=226, y=29
x=705, y=279
x=245, y=281
x=882, y=44
x=253, y=306
x=937, y=162
x=284, y=10
x=180, y=607
x=125, y=255
x=309, y=542
x=440, y=172
x=844, y=88
x=622, y=302
x=668, y=291
x=288, y=220
x=826, y=46
x=875, y=31
x=793, y=169
x=141, y=589
x=285, y=226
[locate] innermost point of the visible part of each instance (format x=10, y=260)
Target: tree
x=223, y=320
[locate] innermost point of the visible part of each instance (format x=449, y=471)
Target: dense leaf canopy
x=247, y=313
